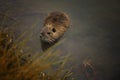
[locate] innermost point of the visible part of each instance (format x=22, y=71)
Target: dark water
x=94, y=36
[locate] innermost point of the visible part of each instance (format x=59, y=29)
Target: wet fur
x=59, y=21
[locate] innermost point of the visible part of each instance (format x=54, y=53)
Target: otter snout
x=41, y=34
x=44, y=33
x=46, y=36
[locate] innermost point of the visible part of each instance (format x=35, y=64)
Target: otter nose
x=48, y=33
x=41, y=34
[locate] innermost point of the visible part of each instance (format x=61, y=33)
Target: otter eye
x=54, y=30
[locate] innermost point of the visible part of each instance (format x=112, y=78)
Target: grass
x=37, y=67
x=15, y=64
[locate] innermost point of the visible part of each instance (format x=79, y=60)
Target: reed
x=37, y=67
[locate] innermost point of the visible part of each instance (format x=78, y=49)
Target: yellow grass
x=34, y=68
x=37, y=67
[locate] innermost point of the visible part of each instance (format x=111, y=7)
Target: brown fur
x=55, y=25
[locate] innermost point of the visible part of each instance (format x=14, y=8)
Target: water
x=93, y=37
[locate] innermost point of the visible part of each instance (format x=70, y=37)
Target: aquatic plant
x=14, y=65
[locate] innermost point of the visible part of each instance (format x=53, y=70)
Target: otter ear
x=62, y=19
x=59, y=19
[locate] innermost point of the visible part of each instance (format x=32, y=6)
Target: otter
x=54, y=27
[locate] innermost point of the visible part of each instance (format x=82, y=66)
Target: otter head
x=55, y=25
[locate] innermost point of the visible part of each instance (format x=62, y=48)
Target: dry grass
x=14, y=65
x=34, y=68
